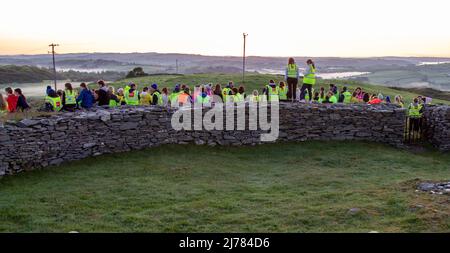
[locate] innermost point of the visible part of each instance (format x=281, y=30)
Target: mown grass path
x=288, y=187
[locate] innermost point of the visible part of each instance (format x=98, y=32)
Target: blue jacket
x=85, y=98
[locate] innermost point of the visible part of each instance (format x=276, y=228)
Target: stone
x=29, y=122
x=354, y=210
x=426, y=186
x=89, y=145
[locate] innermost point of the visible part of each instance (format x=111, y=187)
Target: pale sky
x=356, y=28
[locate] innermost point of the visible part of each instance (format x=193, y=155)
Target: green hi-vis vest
x=283, y=93
x=160, y=100
x=239, y=97
x=311, y=77
x=228, y=99
x=254, y=99
x=55, y=102
x=273, y=93
x=225, y=93
x=320, y=100
x=333, y=99
x=70, y=97
x=173, y=97
x=292, y=71
x=347, y=97
x=203, y=100
x=414, y=111
x=113, y=103
x=132, y=98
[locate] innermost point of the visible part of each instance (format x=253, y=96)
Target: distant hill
x=29, y=74
x=24, y=74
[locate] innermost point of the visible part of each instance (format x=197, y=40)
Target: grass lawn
x=287, y=187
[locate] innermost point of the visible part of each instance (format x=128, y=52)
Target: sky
x=341, y=28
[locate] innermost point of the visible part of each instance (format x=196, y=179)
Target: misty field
x=296, y=187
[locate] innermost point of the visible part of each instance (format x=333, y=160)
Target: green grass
x=288, y=187
x=258, y=81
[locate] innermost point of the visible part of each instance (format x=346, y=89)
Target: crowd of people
x=104, y=95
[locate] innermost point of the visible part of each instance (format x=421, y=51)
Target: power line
x=53, y=45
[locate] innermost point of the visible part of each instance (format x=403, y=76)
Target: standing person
x=309, y=79
x=283, y=91
x=22, y=104
x=85, y=99
x=11, y=99
x=165, y=96
x=415, y=111
x=156, y=95
x=103, y=98
x=291, y=77
x=69, y=98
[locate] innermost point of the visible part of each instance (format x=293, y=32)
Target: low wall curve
x=43, y=141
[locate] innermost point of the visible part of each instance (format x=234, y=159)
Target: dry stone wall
x=41, y=142
x=437, y=123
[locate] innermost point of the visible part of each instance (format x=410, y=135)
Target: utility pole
x=243, y=59
x=53, y=45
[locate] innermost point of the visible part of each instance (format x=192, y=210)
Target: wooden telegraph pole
x=53, y=45
x=243, y=59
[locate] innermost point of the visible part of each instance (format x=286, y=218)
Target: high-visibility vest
x=121, y=98
x=183, y=98
x=292, y=71
x=160, y=101
x=333, y=99
x=282, y=92
x=254, y=98
x=311, y=77
x=414, y=111
x=229, y=99
x=272, y=92
x=173, y=97
x=70, y=97
x=55, y=102
x=225, y=92
x=239, y=97
x=112, y=103
x=347, y=97
x=132, y=98
x=203, y=100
